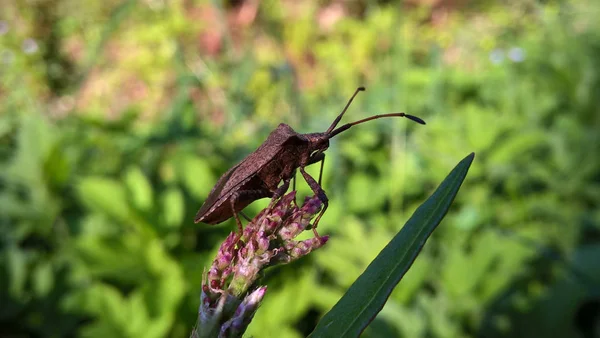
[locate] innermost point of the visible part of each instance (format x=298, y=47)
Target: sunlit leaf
x=173, y=207
x=104, y=195
x=43, y=278
x=139, y=188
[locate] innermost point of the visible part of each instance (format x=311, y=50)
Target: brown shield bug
x=260, y=174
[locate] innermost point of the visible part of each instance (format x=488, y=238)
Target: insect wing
x=243, y=171
x=215, y=193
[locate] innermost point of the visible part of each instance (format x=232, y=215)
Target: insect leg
x=316, y=188
x=245, y=216
x=294, y=187
x=240, y=195
x=319, y=157
x=233, y=200
x=321, y=170
x=282, y=189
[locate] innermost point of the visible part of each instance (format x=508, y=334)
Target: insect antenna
x=337, y=119
x=348, y=125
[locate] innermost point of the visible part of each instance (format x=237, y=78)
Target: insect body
x=260, y=174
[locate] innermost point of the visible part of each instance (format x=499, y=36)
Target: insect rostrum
x=260, y=174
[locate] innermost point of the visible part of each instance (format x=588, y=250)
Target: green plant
x=119, y=163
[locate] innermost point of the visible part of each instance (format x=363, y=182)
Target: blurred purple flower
x=497, y=56
x=30, y=46
x=3, y=27
x=516, y=54
x=230, y=296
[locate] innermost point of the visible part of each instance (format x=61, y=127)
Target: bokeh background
x=118, y=116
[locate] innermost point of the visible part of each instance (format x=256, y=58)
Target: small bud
x=223, y=260
x=263, y=242
x=311, y=206
x=236, y=326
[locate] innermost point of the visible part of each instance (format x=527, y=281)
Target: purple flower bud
x=312, y=206
x=228, y=243
x=287, y=199
x=299, y=250
x=278, y=215
x=247, y=233
x=292, y=230
x=214, y=284
x=267, y=240
x=226, y=272
x=213, y=273
x=323, y=240
x=263, y=243
x=286, y=233
x=244, y=251
x=237, y=325
x=271, y=225
x=223, y=260
x=303, y=248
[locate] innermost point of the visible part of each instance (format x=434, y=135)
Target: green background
x=117, y=117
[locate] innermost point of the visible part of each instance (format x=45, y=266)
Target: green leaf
x=105, y=195
x=366, y=297
x=173, y=207
x=17, y=271
x=196, y=176
x=43, y=279
x=357, y=185
x=57, y=167
x=140, y=188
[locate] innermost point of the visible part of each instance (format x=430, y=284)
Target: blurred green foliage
x=117, y=117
